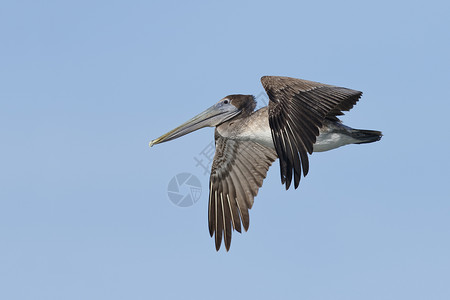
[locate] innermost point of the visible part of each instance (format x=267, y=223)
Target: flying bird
x=301, y=118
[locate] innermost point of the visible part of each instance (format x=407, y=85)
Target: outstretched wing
x=297, y=109
x=237, y=172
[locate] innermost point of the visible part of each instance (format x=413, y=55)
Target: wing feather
x=297, y=110
x=238, y=171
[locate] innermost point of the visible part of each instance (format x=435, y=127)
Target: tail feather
x=366, y=136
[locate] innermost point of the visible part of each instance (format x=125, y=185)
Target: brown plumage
x=297, y=109
x=302, y=117
x=237, y=172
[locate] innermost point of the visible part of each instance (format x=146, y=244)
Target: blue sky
x=84, y=209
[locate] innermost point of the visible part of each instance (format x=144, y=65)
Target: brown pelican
x=301, y=118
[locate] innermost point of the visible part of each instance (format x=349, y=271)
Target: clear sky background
x=84, y=210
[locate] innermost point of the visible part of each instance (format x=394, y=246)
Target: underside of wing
x=297, y=109
x=237, y=172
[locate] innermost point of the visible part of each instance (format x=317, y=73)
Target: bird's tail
x=366, y=136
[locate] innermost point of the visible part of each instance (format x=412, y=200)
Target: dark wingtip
x=227, y=246
x=246, y=224
x=296, y=183
x=218, y=242
x=287, y=185
x=288, y=182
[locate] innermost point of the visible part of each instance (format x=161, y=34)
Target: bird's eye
x=226, y=101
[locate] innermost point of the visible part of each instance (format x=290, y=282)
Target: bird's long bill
x=211, y=117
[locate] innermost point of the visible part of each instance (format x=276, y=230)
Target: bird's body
x=302, y=117
x=253, y=128
x=256, y=128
